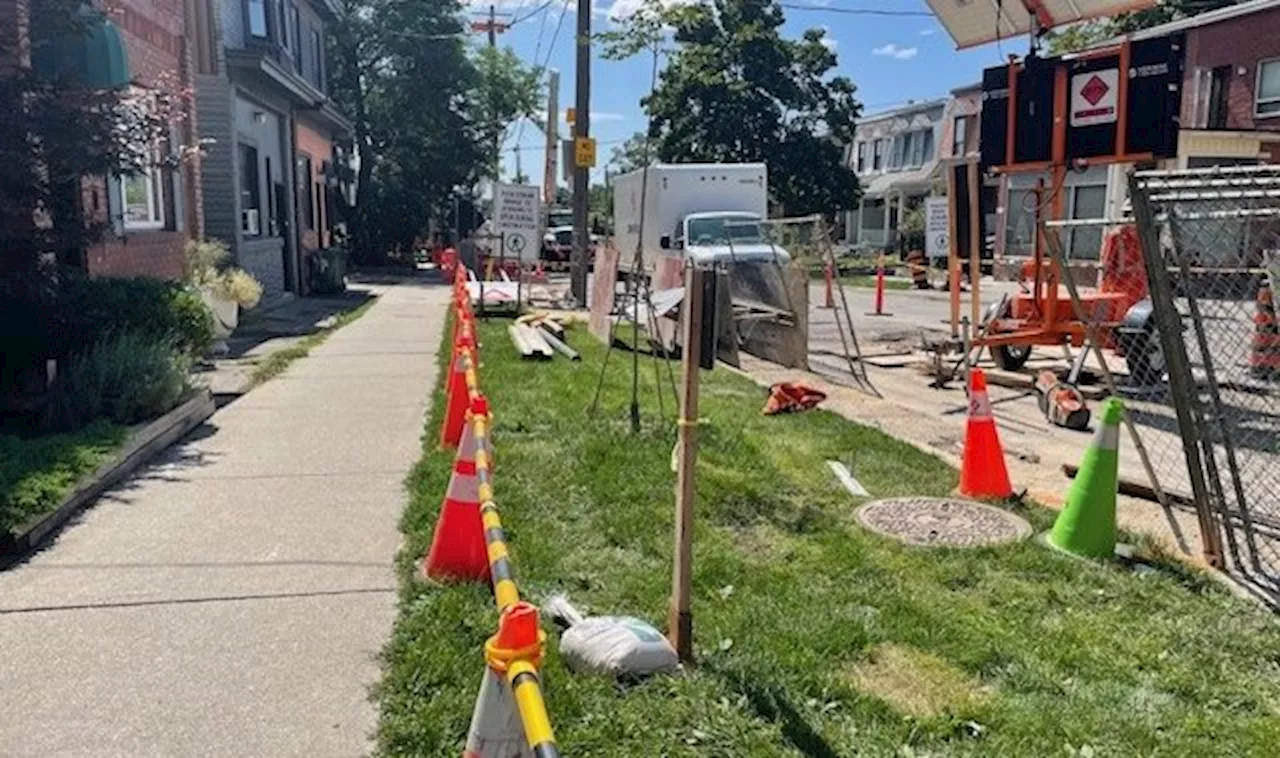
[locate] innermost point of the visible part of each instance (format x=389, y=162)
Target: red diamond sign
x=1094, y=90
x=1094, y=97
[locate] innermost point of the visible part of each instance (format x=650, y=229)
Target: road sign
x=936, y=228
x=584, y=152
x=1095, y=97
x=570, y=115
x=517, y=216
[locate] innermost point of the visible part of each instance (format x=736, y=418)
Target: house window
x=1219, y=80
x=295, y=33
x=1268, y=100
x=1087, y=202
x=862, y=157
x=926, y=145
x=257, y=11
x=895, y=154
x=317, y=55
x=143, y=199
x=877, y=155
x=250, y=192
x=958, y=136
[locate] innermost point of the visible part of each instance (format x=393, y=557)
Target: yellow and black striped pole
x=516, y=650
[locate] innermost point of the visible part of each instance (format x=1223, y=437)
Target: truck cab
x=723, y=237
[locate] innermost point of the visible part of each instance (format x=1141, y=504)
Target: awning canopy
x=95, y=57
x=977, y=22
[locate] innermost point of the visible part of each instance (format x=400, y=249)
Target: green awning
x=96, y=58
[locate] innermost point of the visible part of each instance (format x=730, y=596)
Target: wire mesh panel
x=1212, y=242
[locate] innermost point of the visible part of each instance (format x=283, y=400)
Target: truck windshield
x=723, y=229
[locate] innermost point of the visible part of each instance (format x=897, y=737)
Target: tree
x=506, y=91
x=630, y=155
x=428, y=114
x=1090, y=33
x=734, y=90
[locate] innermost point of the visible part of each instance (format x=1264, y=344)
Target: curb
x=142, y=445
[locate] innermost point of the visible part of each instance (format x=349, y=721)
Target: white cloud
x=928, y=32
x=893, y=51
x=830, y=42
x=624, y=9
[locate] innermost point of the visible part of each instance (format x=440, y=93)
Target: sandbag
x=612, y=645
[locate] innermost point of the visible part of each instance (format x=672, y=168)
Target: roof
x=904, y=110
x=1194, y=22
x=916, y=178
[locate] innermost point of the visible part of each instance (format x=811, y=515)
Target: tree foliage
x=1090, y=33
x=735, y=90
x=55, y=132
x=427, y=111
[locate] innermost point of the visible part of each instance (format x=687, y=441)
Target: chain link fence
x=1206, y=384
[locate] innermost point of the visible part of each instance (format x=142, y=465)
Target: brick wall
x=1240, y=43
x=154, y=35
x=320, y=149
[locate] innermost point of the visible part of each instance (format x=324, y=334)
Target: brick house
x=1231, y=89
x=150, y=215
x=270, y=128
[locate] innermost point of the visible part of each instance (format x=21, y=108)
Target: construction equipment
x=1061, y=402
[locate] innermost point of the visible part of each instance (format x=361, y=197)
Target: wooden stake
x=953, y=252
x=680, y=625
x=975, y=245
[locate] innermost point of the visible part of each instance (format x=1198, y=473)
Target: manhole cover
x=942, y=522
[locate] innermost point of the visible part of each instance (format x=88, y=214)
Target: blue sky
x=891, y=59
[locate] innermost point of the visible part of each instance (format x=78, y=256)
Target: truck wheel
x=1008, y=357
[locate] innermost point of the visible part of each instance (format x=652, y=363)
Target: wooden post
x=975, y=245
x=680, y=625
x=953, y=252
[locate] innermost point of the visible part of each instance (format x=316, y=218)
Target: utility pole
x=493, y=26
x=553, y=138
x=581, y=174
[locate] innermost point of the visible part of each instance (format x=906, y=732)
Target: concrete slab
x=231, y=600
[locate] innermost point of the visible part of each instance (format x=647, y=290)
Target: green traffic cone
x=1087, y=524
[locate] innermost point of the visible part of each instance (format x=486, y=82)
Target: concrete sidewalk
x=232, y=599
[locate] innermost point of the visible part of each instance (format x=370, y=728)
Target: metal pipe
x=559, y=346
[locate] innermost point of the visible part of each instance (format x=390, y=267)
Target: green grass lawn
x=37, y=474
x=814, y=637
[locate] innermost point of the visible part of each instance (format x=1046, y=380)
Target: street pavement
x=231, y=600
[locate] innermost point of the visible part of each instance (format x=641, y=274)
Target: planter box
x=143, y=444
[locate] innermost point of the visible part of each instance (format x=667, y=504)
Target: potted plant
x=225, y=289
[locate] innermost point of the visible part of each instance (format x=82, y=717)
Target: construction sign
x=584, y=152
x=1095, y=97
x=517, y=216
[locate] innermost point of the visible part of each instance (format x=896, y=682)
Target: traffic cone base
x=1087, y=524
x=496, y=731
x=983, y=473
x=458, y=548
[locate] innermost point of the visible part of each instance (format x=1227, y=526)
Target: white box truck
x=705, y=212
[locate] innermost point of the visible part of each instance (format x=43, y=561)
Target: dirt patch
x=917, y=683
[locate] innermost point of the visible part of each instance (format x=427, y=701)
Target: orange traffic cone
x=1264, y=353
x=496, y=729
x=455, y=414
x=983, y=473
x=480, y=407
x=458, y=549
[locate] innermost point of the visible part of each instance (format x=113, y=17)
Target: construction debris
x=846, y=478
x=1061, y=403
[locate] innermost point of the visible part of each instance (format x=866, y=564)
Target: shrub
x=207, y=269
x=90, y=309
x=125, y=377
